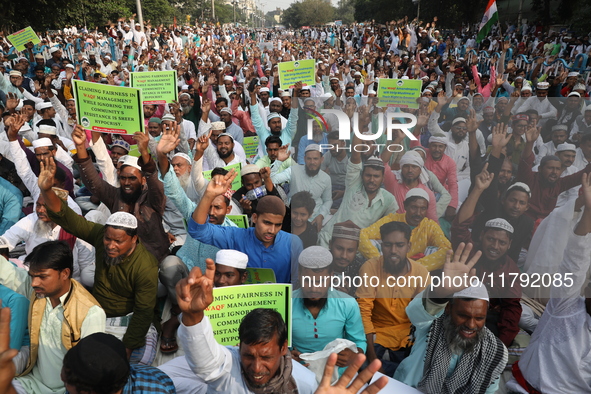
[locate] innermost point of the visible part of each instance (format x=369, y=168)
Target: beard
x=457, y=344
x=184, y=180
x=112, y=261
x=131, y=198
x=186, y=109
x=43, y=229
x=312, y=173
x=308, y=303
x=394, y=269
x=225, y=155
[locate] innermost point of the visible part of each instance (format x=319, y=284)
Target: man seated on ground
x=141, y=193
x=546, y=184
x=37, y=228
x=309, y=177
x=364, y=200
x=335, y=163
x=346, y=262
x=302, y=206
x=126, y=276
x=556, y=360
x=428, y=243
x=230, y=268
x=61, y=313
x=277, y=159
x=453, y=351
x=382, y=305
x=11, y=205
x=494, y=264
x=261, y=362
x=98, y=364
x=265, y=244
x=258, y=180
x=323, y=314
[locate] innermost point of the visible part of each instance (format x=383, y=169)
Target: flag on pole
x=491, y=16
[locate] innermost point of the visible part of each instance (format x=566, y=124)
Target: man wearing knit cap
x=75, y=313
x=558, y=136
x=230, y=268
x=222, y=154
x=155, y=126
x=12, y=84
x=383, y=306
x=98, y=364
x=494, y=242
x=257, y=178
x=453, y=350
x=265, y=244
x=126, y=274
x=272, y=125
x=582, y=125
x=546, y=184
x=541, y=103
x=309, y=177
x=323, y=314
x=230, y=127
x=428, y=242
x=364, y=200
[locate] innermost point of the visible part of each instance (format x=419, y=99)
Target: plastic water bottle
x=256, y=193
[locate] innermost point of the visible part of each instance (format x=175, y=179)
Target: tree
x=309, y=13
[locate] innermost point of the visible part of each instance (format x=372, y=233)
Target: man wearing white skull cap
x=230, y=268
x=323, y=314
x=126, y=274
x=453, y=350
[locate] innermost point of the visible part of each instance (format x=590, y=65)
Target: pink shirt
x=485, y=91
x=445, y=170
x=399, y=190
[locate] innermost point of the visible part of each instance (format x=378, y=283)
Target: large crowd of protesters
x=111, y=245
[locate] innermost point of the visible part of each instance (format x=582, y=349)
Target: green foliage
x=309, y=13
x=345, y=11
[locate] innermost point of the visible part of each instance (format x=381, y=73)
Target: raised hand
x=142, y=140
x=220, y=184
x=79, y=136
x=16, y=122
x=344, y=385
x=203, y=142
x=283, y=153
x=532, y=134
x=458, y=265
x=195, y=293
x=168, y=142
x=500, y=137
x=484, y=179
x=11, y=102
x=471, y=122
x=47, y=174
x=206, y=106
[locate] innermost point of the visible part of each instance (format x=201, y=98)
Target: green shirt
x=130, y=286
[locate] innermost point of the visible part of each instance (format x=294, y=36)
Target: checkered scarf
x=475, y=370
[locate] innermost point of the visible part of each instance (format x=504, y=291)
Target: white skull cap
x=122, y=219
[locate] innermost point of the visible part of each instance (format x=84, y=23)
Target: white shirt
x=459, y=152
x=545, y=109
x=557, y=359
x=23, y=231
x=580, y=160
x=219, y=366
x=320, y=186
x=213, y=160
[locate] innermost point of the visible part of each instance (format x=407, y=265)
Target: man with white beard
x=36, y=228
x=182, y=165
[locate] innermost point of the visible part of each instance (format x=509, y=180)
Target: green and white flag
x=491, y=16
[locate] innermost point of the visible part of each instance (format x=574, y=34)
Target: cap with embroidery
x=218, y=126
x=122, y=219
x=231, y=258
x=121, y=144
x=438, y=138
x=155, y=120
x=183, y=155
x=500, y=224
x=565, y=146
x=261, y=90
x=131, y=161
x=15, y=73
x=476, y=291
x=374, y=162
x=543, y=86
x=458, y=120
x=272, y=115
x=310, y=147
x=315, y=257
x=560, y=127
x=226, y=110
x=168, y=117
x=41, y=142
x=226, y=135
x=346, y=230
x=249, y=169
x=521, y=185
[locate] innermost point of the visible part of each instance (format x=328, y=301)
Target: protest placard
x=300, y=70
x=237, y=183
x=239, y=220
x=107, y=108
x=338, y=23
x=401, y=93
x=21, y=37
x=157, y=87
x=232, y=303
x=260, y=275
x=250, y=145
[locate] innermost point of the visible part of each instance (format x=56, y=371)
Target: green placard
x=250, y=145
x=240, y=220
x=300, y=70
x=158, y=87
x=401, y=93
x=232, y=303
x=260, y=275
x=237, y=183
x=21, y=37
x=107, y=108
